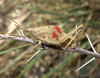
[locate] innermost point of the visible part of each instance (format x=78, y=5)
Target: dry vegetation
x=49, y=63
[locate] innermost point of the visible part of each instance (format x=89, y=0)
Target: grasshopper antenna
x=18, y=25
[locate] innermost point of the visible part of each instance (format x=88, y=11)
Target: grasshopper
x=51, y=35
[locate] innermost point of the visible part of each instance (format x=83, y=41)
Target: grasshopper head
x=32, y=34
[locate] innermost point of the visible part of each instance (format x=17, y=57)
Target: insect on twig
x=51, y=35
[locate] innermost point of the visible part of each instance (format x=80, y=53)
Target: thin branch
x=79, y=50
x=25, y=39
x=20, y=38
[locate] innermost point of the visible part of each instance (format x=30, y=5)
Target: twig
x=25, y=39
x=79, y=50
x=20, y=38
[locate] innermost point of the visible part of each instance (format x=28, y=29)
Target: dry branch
x=25, y=39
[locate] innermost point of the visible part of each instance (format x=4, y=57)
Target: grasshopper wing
x=48, y=35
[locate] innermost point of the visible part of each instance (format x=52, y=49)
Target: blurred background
x=66, y=14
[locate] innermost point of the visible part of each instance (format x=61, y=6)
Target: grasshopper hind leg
x=72, y=39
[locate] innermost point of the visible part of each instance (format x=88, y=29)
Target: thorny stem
x=90, y=59
x=25, y=39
